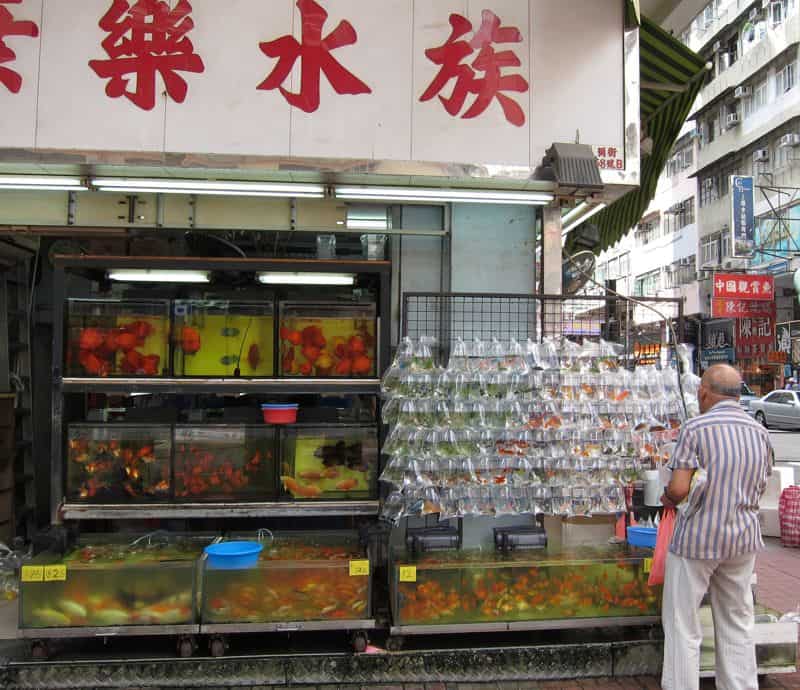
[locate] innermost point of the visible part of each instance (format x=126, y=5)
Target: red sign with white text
x=741, y=286
x=741, y=308
x=755, y=338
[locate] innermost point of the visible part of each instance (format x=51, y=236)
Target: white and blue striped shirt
x=736, y=453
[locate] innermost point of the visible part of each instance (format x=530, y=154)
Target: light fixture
x=464, y=196
x=594, y=210
x=144, y=185
x=574, y=212
x=275, y=278
x=158, y=275
x=47, y=183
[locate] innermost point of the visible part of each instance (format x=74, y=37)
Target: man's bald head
x=720, y=382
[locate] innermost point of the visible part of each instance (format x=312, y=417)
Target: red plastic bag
x=789, y=516
x=663, y=539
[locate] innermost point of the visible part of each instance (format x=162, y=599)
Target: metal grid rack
x=448, y=316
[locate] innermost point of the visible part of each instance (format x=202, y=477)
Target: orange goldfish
x=347, y=484
x=301, y=490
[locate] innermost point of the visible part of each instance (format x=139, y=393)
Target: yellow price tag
x=359, y=568
x=647, y=565
x=408, y=573
x=55, y=573
x=32, y=573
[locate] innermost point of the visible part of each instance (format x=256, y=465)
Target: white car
x=779, y=409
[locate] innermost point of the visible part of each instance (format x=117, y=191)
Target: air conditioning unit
x=732, y=120
x=743, y=92
x=789, y=140
x=732, y=264
x=709, y=265
x=760, y=155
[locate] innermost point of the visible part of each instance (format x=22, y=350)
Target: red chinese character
x=145, y=39
x=315, y=57
x=488, y=87
x=612, y=152
x=9, y=27
x=601, y=152
x=619, y=165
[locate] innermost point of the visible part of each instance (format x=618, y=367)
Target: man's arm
x=683, y=464
x=679, y=486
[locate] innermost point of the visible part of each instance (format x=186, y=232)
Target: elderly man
x=714, y=548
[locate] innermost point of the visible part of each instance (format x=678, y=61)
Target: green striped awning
x=663, y=61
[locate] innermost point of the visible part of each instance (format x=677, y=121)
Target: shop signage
x=741, y=286
x=494, y=83
x=786, y=334
x=740, y=308
x=742, y=216
x=754, y=338
x=777, y=357
x=717, y=342
x=647, y=353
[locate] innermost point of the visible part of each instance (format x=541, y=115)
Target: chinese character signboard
x=742, y=216
x=717, y=342
x=388, y=80
x=647, y=353
x=755, y=338
x=739, y=286
x=740, y=308
x=787, y=339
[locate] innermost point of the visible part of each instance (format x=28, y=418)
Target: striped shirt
x=736, y=453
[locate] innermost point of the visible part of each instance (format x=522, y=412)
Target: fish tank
x=477, y=586
x=327, y=339
x=114, y=581
x=302, y=576
x=223, y=338
x=329, y=463
x=220, y=462
x=118, y=463
x=117, y=337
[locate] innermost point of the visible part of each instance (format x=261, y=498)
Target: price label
x=408, y=573
x=55, y=573
x=359, y=568
x=647, y=566
x=32, y=573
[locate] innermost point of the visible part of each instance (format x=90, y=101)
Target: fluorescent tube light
x=158, y=275
x=274, y=278
x=42, y=183
x=218, y=187
x=570, y=215
x=574, y=224
x=465, y=196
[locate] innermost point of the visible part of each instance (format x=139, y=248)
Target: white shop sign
x=542, y=72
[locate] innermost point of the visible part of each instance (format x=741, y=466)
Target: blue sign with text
x=742, y=216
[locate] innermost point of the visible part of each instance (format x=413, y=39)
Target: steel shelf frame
x=97, y=266
x=289, y=626
x=517, y=626
x=115, y=631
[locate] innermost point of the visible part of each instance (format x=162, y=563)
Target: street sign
x=742, y=216
x=740, y=308
x=741, y=286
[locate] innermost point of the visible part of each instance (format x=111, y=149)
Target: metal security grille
x=449, y=316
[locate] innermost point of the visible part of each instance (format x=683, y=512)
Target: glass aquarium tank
x=114, y=580
x=118, y=463
x=223, y=338
x=116, y=337
x=322, y=339
x=329, y=463
x=474, y=586
x=305, y=576
x=220, y=462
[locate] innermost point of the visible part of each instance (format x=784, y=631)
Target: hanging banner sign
x=741, y=286
x=740, y=308
x=717, y=342
x=755, y=338
x=742, y=216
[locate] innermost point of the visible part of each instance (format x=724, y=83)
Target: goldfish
x=347, y=484
x=140, y=329
x=305, y=369
x=343, y=368
x=301, y=490
x=131, y=362
x=361, y=365
x=311, y=353
x=253, y=356
x=126, y=341
x=90, y=339
x=72, y=608
x=356, y=345
x=93, y=364
x=330, y=473
x=295, y=338
x=150, y=365
x=50, y=618
x=311, y=475
x=190, y=340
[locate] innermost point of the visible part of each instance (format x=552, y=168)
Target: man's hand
x=667, y=501
x=679, y=486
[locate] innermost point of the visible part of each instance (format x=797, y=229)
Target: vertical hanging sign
x=742, y=216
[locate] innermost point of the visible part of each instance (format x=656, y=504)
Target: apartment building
x=746, y=121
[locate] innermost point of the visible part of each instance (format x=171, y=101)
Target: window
x=601, y=272
x=624, y=265
x=647, y=232
x=760, y=96
x=709, y=190
x=647, y=285
x=680, y=272
x=680, y=216
x=776, y=12
x=714, y=248
x=785, y=79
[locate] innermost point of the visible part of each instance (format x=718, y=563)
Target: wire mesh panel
x=640, y=325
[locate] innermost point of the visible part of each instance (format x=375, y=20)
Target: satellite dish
x=576, y=270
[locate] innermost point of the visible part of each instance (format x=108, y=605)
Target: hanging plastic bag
x=663, y=539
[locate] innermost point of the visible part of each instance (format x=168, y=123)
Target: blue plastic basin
x=233, y=555
x=642, y=536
